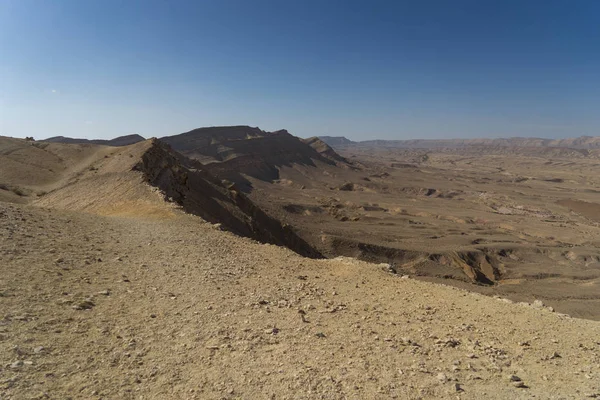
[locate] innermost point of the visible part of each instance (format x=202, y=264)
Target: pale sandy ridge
x=117, y=307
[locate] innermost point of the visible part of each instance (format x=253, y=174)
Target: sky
x=361, y=69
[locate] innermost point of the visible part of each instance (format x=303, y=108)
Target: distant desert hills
x=118, y=180
x=226, y=151
x=119, y=141
x=227, y=143
x=581, y=142
x=223, y=143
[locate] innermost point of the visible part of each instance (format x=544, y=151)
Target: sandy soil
x=122, y=307
x=521, y=224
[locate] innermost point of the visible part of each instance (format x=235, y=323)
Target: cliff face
x=187, y=183
x=324, y=149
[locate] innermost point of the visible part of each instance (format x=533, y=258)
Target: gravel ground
x=96, y=307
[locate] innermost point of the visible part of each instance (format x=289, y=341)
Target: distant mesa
x=119, y=141
x=578, y=143
x=236, y=152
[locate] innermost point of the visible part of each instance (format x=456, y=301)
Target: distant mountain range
x=119, y=141
x=230, y=152
x=582, y=142
x=222, y=143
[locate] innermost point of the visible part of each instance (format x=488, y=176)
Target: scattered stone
x=320, y=335
x=442, y=377
x=458, y=388
x=519, y=384
x=17, y=364
x=569, y=255
x=555, y=355
x=104, y=292
x=514, y=378
x=152, y=315
x=38, y=349
x=303, y=316
x=272, y=331
x=538, y=304
x=448, y=342
x=84, y=305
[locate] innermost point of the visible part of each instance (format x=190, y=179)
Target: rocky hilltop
x=237, y=152
x=336, y=140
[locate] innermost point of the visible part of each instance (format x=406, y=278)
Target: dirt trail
x=113, y=307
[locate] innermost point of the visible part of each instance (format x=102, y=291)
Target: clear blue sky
x=368, y=69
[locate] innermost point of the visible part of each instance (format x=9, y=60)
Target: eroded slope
x=173, y=308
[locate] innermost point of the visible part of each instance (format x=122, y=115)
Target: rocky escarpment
x=324, y=149
x=187, y=183
x=478, y=265
x=236, y=152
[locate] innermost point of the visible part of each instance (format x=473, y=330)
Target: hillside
x=324, y=149
x=30, y=169
x=336, y=140
x=118, y=283
x=236, y=153
x=127, y=181
x=134, y=306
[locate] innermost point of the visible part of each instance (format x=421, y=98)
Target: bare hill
x=118, y=141
x=29, y=169
x=336, y=140
x=134, y=180
x=237, y=152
